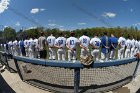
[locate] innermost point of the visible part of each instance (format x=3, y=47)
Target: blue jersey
x=114, y=43
x=105, y=42
x=21, y=44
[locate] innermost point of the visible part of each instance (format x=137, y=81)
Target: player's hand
x=107, y=47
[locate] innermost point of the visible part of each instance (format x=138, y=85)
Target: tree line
x=11, y=34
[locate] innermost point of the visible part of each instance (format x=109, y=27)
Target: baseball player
x=114, y=43
x=10, y=45
x=1, y=46
x=26, y=47
x=36, y=51
x=15, y=48
x=121, y=44
x=71, y=43
x=60, y=43
x=95, y=44
x=51, y=42
x=31, y=47
x=136, y=46
x=22, y=48
x=5, y=47
x=84, y=43
x=128, y=47
x=20, y=54
x=42, y=46
x=105, y=44
x=133, y=47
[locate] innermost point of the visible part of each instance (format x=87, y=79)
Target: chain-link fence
x=64, y=79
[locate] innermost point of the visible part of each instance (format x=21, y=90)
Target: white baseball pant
x=52, y=54
x=95, y=54
x=72, y=55
x=61, y=54
x=127, y=53
x=121, y=53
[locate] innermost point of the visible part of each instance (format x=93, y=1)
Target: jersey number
x=123, y=42
x=49, y=41
x=84, y=40
x=71, y=42
x=60, y=42
x=97, y=43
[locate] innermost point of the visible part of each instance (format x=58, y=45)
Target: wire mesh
x=91, y=79
x=53, y=78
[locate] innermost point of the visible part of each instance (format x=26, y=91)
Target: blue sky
x=69, y=14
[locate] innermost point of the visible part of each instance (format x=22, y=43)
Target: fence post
x=6, y=59
x=18, y=70
x=76, y=79
x=134, y=74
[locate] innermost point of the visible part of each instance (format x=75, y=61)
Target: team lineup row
x=35, y=48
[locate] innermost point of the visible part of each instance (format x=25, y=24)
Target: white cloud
x=109, y=15
x=137, y=24
x=36, y=10
x=4, y=5
x=82, y=23
x=51, y=24
x=17, y=24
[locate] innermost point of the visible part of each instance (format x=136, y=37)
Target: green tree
x=9, y=34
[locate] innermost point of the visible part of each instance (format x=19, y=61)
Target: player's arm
x=67, y=45
x=92, y=44
x=56, y=44
x=82, y=46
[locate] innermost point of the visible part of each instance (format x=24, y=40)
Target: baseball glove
x=86, y=60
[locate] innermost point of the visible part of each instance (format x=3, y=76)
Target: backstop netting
x=7, y=60
x=91, y=79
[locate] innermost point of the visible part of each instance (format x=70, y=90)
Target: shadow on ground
x=4, y=87
x=138, y=91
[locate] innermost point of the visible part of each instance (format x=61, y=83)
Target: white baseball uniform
x=121, y=42
x=60, y=42
x=10, y=46
x=51, y=42
x=136, y=46
x=128, y=47
x=31, y=47
x=5, y=47
x=71, y=44
x=1, y=46
x=133, y=47
x=26, y=45
x=84, y=41
x=16, y=48
x=96, y=43
x=20, y=53
x=36, y=51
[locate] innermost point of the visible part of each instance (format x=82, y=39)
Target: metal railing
x=68, y=77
